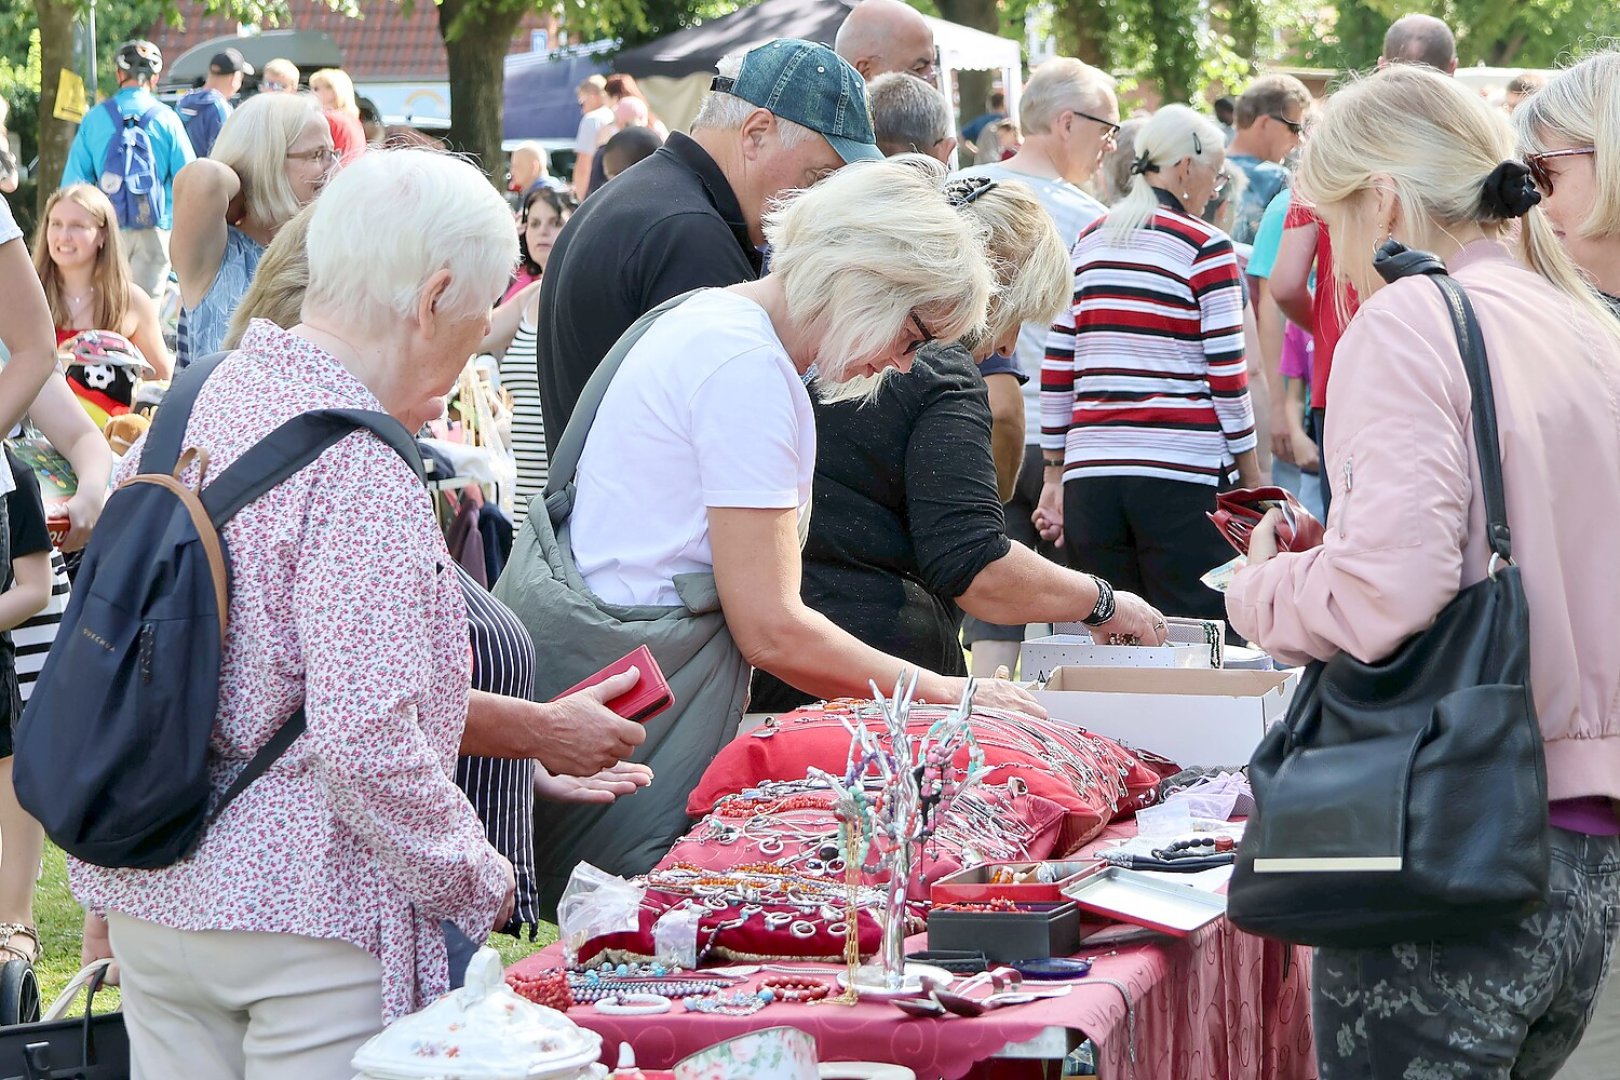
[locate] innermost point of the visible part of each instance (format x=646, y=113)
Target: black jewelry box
x=1027, y=932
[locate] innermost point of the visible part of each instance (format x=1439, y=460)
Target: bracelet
x=634, y=1004
x=796, y=990
x=1050, y=464
x=738, y=1004
x=1104, y=611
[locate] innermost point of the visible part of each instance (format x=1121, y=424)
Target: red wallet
x=1238, y=512
x=649, y=697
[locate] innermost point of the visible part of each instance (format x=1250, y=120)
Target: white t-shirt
x=590, y=126
x=8, y=224
x=707, y=410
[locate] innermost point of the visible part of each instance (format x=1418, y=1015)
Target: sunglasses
x=1538, y=165
x=1292, y=125
x=922, y=330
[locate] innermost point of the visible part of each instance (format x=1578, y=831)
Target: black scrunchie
x=1509, y=191
x=1142, y=166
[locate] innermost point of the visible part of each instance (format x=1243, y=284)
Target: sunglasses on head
x=1538, y=165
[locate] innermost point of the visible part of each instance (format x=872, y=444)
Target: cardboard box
x=1207, y=718
x=1179, y=631
x=1042, y=656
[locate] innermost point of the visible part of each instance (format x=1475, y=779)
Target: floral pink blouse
x=344, y=598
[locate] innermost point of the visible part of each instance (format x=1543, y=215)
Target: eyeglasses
x=1222, y=178
x=1538, y=165
x=925, y=336
x=323, y=156
x=1113, y=128
x=1292, y=125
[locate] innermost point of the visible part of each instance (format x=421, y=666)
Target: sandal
x=13, y=930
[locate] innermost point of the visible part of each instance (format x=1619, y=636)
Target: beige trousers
x=148, y=251
x=223, y=1004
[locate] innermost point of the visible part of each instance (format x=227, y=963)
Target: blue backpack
x=129, y=170
x=112, y=752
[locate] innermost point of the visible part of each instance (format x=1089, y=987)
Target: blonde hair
x=1581, y=107
x=337, y=80
x=1028, y=256
x=277, y=291
x=254, y=142
x=1435, y=143
x=281, y=68
x=1058, y=84
x=110, y=277
x=1174, y=134
x=387, y=223
x=873, y=244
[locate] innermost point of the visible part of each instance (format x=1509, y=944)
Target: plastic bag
x=596, y=903
x=675, y=936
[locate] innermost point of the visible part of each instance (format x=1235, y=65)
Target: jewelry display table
x=1221, y=1005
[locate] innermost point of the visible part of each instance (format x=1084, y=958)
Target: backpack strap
x=267, y=463
x=294, y=445
x=161, y=451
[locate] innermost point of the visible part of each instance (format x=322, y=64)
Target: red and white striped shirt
x=1145, y=374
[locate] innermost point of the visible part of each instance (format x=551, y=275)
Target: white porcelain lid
x=483, y=1031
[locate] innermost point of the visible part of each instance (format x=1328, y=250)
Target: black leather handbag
x=1406, y=800
x=92, y=1047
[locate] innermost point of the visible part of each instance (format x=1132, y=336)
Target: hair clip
x=968, y=189
x=1198, y=145
x=1142, y=166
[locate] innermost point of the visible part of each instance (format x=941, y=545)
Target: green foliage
x=1524, y=33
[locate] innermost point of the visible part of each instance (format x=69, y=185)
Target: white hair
x=871, y=246
x=1061, y=83
x=1174, y=134
x=727, y=112
x=393, y=219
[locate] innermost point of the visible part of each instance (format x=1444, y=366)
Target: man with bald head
x=1420, y=39
x=881, y=36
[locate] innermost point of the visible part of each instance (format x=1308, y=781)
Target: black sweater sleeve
x=957, y=528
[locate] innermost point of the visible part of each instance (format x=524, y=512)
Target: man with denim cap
x=690, y=216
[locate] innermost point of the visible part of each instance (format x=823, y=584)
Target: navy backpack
x=129, y=170
x=112, y=752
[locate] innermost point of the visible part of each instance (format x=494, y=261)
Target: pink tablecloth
x=1218, y=1005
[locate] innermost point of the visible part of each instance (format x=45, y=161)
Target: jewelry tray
x=1133, y=897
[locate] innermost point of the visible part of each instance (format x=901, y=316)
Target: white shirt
x=590, y=126
x=706, y=411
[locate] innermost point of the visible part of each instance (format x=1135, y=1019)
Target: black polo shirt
x=665, y=226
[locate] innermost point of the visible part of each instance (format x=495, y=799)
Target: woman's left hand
x=83, y=511
x=1263, y=540
x=625, y=778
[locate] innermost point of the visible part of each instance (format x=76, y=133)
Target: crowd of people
x=815, y=391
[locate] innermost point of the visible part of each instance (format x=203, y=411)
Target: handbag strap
x=564, y=463
x=1486, y=440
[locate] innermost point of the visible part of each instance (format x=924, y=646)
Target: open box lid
x=1198, y=682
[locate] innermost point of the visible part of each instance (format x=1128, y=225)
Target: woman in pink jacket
x=1407, y=154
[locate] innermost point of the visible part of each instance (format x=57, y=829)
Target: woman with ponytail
x=1407, y=159
x=1145, y=408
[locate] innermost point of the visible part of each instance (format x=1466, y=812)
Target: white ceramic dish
x=869, y=981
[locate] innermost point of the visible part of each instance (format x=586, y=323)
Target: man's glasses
x=1292, y=125
x=1538, y=165
x=1112, y=129
x=924, y=336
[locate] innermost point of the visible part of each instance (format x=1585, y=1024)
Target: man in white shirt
x=592, y=96
x=1069, y=115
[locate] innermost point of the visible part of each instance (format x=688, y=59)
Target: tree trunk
x=55, y=55
x=1083, y=31
x=475, y=43
x=973, y=87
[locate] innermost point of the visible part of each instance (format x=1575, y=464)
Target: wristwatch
x=1104, y=611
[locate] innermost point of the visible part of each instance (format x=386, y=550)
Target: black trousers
x=1318, y=428
x=1149, y=537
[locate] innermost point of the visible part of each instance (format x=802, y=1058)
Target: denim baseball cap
x=810, y=85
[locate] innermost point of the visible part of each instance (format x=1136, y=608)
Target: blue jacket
x=203, y=111
x=171, y=147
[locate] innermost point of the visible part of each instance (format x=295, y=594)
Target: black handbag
x=1406, y=800
x=90, y=1047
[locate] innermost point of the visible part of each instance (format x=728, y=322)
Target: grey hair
x=868, y=248
x=1174, y=134
x=908, y=115
x=727, y=112
x=1062, y=83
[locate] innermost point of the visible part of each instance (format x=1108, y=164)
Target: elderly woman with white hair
x=310, y=915
x=271, y=159
x=695, y=446
x=1145, y=409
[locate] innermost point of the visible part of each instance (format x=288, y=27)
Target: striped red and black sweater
x=1145, y=373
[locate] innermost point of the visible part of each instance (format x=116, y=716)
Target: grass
x=61, y=920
